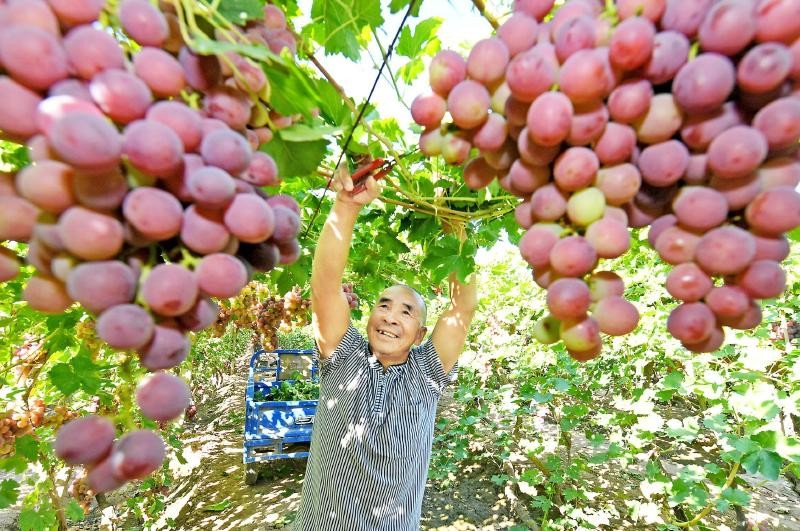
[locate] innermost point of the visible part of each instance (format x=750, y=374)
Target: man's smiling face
x=396, y=324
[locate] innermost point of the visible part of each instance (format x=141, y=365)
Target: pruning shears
x=377, y=169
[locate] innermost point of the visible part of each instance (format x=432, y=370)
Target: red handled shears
x=377, y=168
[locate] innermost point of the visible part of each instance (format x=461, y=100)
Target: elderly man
x=374, y=426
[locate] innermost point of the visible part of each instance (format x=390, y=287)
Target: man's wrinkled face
x=397, y=322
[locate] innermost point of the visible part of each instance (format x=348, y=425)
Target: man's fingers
x=342, y=177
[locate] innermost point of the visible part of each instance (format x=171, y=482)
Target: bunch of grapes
x=13, y=424
x=137, y=206
x=600, y=127
x=80, y=491
x=352, y=297
x=281, y=314
x=779, y=333
x=26, y=358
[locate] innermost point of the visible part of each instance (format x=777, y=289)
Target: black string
x=361, y=113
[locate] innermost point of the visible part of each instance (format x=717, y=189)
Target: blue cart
x=276, y=429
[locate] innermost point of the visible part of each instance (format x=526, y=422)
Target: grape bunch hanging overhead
x=678, y=115
x=137, y=206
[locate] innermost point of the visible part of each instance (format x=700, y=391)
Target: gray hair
x=423, y=307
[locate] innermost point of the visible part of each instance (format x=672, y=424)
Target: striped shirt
x=372, y=438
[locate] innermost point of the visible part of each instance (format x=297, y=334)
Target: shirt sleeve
x=432, y=370
x=351, y=343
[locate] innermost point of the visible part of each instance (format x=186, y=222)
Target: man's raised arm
x=450, y=332
x=328, y=303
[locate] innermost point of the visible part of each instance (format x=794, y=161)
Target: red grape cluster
x=352, y=298
x=780, y=333
x=137, y=206
x=600, y=127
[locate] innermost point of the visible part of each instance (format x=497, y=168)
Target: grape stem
x=480, y=5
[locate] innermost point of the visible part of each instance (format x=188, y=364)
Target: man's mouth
x=387, y=334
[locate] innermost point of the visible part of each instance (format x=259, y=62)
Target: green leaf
x=218, y=507
x=63, y=378
x=736, y=496
x=79, y=373
x=30, y=520
x=673, y=380
x=764, y=462
x=794, y=235
x=27, y=447
x=296, y=159
x=397, y=5
x=338, y=23
x=305, y=133
x=9, y=491
x=293, y=91
x=240, y=11
x=75, y=511
x=411, y=42
x=411, y=70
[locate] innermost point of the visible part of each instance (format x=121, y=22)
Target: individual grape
x=90, y=235
x=749, y=319
x=274, y=18
x=53, y=108
x=632, y=43
x=676, y=245
x=769, y=248
x=697, y=171
x=100, y=192
x=576, y=34
x=125, y=326
x=704, y=83
x=289, y=251
x=284, y=200
x=487, y=61
x=575, y=168
x=428, y=109
x=48, y=234
x=518, y=33
x=728, y=27
x=764, y=67
x=84, y=441
x=738, y=193
x=280, y=39
x=685, y=17
x=202, y=315
x=430, y=142
x=572, y=257
x=531, y=73
x=546, y=330
x=588, y=124
x=527, y=179
x=779, y=121
x=143, y=22
x=137, y=454
x=168, y=348
x=737, y=152
x=9, y=264
x=76, y=88
x=455, y=149
x=492, y=134
x=523, y=215
x=727, y=301
x=17, y=105
x=603, y=284
x=250, y=219
x=90, y=51
x=203, y=230
x=86, y=141
x=516, y=112
x=580, y=335
x=568, y=298
x=499, y=97
x=639, y=216
x=262, y=170
x=548, y=203
x=72, y=12
x=670, y=53
x=153, y=148
x=536, y=244
x=33, y=13
x=550, y=119
x=650, y=9
x=662, y=120
x=586, y=355
x=779, y=171
x=714, y=340
x=221, y=275
x=226, y=149
x=543, y=276
x=630, y=100
x=182, y=119
x=618, y=183
x=468, y=103
x=478, y=174
x=774, y=211
x=776, y=20
x=170, y=289
x=691, y=322
x=586, y=206
x=579, y=77
x=763, y=279
x=228, y=105
x=688, y=283
x=101, y=477
x=101, y=285
x=700, y=208
x=121, y=95
x=534, y=8
x=615, y=316
x=211, y=187
x=725, y=250
x=533, y=153
x=287, y=224
x=615, y=145
x=201, y=71
x=46, y=295
x=154, y=213
x=609, y=237
x=33, y=57
x=571, y=10
x=700, y=129
x=664, y=164
x=163, y=396
x=48, y=185
x=447, y=69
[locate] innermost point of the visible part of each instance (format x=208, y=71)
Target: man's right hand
x=343, y=185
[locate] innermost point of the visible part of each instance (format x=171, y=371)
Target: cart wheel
x=250, y=474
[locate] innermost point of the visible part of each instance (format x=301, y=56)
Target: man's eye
x=407, y=312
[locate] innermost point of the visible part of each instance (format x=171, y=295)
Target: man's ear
x=421, y=335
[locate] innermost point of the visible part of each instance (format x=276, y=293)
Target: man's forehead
x=400, y=294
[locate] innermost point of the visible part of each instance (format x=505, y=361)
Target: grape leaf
x=27, y=447
x=296, y=158
x=9, y=491
x=764, y=462
x=736, y=496
x=304, y=133
x=339, y=22
x=397, y=5
x=79, y=373
x=30, y=520
x=240, y=11
x=293, y=91
x=75, y=512
x=412, y=42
